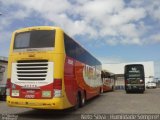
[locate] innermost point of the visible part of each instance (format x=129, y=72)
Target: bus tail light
x=57, y=86
x=8, y=83
x=8, y=87
x=126, y=81
x=141, y=81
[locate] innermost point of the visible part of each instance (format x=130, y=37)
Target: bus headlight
x=46, y=93
x=15, y=93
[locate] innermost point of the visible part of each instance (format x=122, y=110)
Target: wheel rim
x=83, y=101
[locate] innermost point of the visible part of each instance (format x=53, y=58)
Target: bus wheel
x=142, y=91
x=127, y=91
x=100, y=91
x=82, y=99
x=112, y=88
x=77, y=102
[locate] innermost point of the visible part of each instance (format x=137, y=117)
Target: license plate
x=30, y=96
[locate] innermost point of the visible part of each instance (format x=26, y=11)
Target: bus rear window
x=35, y=39
x=134, y=71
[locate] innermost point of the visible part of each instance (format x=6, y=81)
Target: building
x=3, y=76
x=157, y=70
x=118, y=70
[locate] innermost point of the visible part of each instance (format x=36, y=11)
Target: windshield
x=34, y=39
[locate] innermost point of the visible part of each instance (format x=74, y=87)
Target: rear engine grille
x=32, y=69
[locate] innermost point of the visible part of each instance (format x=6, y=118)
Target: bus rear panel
x=134, y=78
x=49, y=70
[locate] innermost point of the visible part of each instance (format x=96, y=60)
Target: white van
x=151, y=84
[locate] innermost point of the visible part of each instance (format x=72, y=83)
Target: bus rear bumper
x=55, y=103
x=135, y=87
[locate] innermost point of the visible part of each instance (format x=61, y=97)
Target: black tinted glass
x=134, y=71
x=74, y=50
x=35, y=39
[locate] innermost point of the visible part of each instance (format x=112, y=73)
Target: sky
x=114, y=31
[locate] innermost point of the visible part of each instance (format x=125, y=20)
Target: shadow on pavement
x=46, y=114
x=67, y=114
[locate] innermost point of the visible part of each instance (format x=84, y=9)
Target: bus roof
x=37, y=28
x=134, y=65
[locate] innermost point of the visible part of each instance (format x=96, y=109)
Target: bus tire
x=82, y=99
x=112, y=88
x=77, y=102
x=101, y=91
x=127, y=91
x=142, y=91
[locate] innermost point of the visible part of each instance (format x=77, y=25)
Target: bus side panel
x=69, y=80
x=87, y=85
x=107, y=85
x=74, y=81
x=106, y=88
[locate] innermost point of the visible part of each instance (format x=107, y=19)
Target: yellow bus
x=47, y=69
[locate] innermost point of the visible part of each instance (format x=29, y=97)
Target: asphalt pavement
x=109, y=103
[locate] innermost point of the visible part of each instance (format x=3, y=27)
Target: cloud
x=4, y=36
x=151, y=6
x=98, y=9
x=155, y=38
x=129, y=30
x=123, y=22
x=124, y=41
x=156, y=13
x=127, y=15
x=112, y=60
x=134, y=41
x=112, y=41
